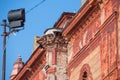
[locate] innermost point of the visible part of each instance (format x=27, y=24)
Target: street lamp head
x=16, y=18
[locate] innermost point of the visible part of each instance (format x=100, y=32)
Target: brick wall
x=93, y=60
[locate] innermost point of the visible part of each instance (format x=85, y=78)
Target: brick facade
x=81, y=46
x=94, y=38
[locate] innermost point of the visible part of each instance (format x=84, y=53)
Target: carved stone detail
x=53, y=40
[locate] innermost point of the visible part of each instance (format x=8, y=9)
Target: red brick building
x=94, y=41
x=81, y=46
x=49, y=60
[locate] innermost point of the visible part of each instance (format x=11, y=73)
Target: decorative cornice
x=84, y=11
x=85, y=24
x=53, y=41
x=62, y=17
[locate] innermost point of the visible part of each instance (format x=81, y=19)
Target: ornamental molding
x=83, y=25
x=55, y=40
x=81, y=16
x=82, y=53
x=85, y=68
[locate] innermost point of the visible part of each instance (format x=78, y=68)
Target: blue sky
x=37, y=21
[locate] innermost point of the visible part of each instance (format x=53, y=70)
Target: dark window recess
x=85, y=76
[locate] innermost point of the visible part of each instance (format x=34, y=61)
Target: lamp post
x=16, y=20
x=4, y=50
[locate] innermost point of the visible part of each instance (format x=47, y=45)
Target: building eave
x=79, y=17
x=62, y=17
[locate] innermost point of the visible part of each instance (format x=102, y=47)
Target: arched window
x=85, y=73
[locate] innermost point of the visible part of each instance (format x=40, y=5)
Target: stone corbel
x=49, y=39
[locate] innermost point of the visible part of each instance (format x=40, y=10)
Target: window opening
x=85, y=76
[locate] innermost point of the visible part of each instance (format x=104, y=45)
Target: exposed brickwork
x=88, y=47
x=118, y=41
x=97, y=29
x=56, y=54
x=61, y=65
x=109, y=50
x=91, y=60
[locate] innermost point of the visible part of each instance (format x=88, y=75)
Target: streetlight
x=16, y=20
